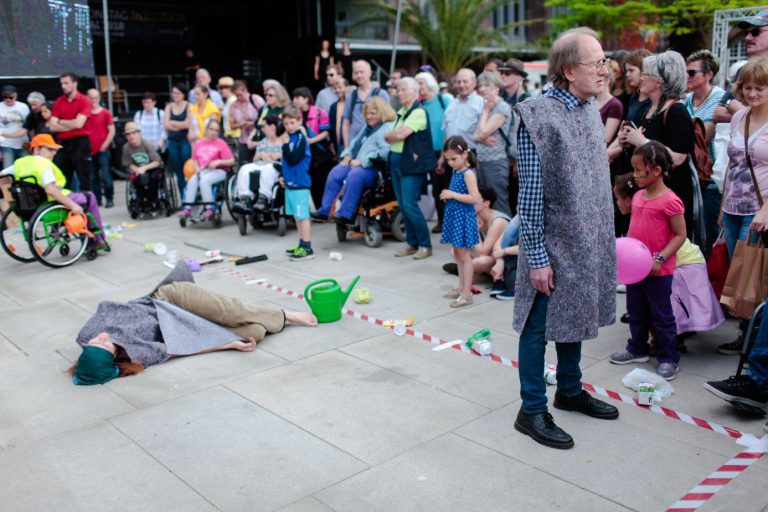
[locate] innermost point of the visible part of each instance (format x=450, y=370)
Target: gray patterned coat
x=578, y=221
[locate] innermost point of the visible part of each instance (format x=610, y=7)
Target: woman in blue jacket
x=355, y=171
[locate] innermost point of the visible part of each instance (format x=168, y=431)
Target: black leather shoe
x=586, y=404
x=338, y=219
x=541, y=427
x=318, y=216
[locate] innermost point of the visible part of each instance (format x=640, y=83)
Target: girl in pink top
x=657, y=221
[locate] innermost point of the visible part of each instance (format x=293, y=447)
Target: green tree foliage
x=447, y=30
x=611, y=17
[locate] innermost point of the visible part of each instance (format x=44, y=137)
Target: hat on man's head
x=131, y=127
x=43, y=140
x=95, y=366
x=226, y=81
x=758, y=20
x=515, y=66
x=8, y=89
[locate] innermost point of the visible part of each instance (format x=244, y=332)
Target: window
x=510, y=12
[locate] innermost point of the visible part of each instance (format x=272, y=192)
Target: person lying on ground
x=178, y=318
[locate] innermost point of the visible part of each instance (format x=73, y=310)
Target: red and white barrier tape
x=662, y=411
x=715, y=482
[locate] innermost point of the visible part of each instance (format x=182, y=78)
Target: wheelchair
x=244, y=212
x=33, y=228
x=220, y=196
x=145, y=199
x=378, y=213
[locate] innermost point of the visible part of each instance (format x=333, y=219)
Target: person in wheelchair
x=39, y=166
x=210, y=156
x=268, y=153
x=355, y=172
x=142, y=160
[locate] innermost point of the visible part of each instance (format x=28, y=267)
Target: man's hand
x=543, y=279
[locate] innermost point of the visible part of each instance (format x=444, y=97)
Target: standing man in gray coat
x=566, y=276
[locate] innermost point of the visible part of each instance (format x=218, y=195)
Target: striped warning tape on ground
x=662, y=411
x=715, y=482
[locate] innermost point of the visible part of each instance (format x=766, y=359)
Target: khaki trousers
x=245, y=320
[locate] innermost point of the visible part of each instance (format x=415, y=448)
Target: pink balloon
x=633, y=260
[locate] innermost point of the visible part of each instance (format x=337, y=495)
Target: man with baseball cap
x=12, y=132
x=755, y=29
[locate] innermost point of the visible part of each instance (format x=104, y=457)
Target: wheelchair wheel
x=171, y=193
x=229, y=196
x=14, y=238
x=373, y=234
x=281, y=225
x=217, y=219
x=398, y=226
x=50, y=241
x=242, y=224
x=183, y=222
x=341, y=233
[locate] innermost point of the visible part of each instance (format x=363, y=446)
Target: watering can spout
x=345, y=294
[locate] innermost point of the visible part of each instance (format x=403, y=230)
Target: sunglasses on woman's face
x=693, y=72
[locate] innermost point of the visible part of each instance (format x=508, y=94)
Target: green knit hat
x=95, y=366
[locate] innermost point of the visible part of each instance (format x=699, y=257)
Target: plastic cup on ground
x=160, y=249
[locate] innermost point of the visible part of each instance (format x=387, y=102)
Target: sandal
x=461, y=302
x=453, y=294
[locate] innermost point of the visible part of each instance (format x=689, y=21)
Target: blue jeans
x=533, y=387
x=179, y=151
x=735, y=228
x=758, y=358
x=10, y=155
x=358, y=180
x=511, y=233
x=101, y=176
x=407, y=192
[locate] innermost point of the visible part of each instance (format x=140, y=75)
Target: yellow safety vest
x=34, y=165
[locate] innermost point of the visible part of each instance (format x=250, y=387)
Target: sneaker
x=732, y=348
x=207, y=214
x=422, y=253
x=110, y=203
x=453, y=294
x=185, y=213
x=626, y=357
x=667, y=371
x=318, y=216
x=302, y=254
x=624, y=318
x=739, y=388
x=338, y=219
x=292, y=250
x=406, y=251
x=462, y=301
x=506, y=295
x=451, y=268
x=497, y=287
x=438, y=228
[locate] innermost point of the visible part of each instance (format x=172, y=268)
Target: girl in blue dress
x=460, y=222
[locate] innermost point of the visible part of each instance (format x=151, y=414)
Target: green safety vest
x=34, y=165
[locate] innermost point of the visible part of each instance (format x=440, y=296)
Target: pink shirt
x=207, y=150
x=650, y=223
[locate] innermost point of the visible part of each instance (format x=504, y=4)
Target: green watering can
x=326, y=301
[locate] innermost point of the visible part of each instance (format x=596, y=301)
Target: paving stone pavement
x=345, y=417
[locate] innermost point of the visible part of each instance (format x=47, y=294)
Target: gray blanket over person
x=177, y=318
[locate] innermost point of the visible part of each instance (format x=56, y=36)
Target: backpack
x=374, y=93
x=700, y=155
x=157, y=111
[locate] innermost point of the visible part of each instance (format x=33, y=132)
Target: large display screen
x=45, y=38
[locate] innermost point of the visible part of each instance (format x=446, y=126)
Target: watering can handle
x=83, y=230
x=315, y=283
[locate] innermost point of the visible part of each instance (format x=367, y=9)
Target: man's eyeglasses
x=598, y=64
x=8, y=97
x=754, y=32
x=693, y=72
